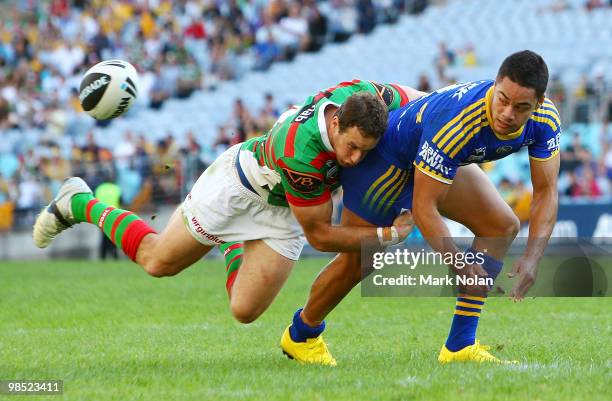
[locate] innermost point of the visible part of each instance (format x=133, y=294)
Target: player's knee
x=511, y=226
x=159, y=268
x=243, y=313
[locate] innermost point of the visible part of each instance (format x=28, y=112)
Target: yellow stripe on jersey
x=549, y=102
x=475, y=131
x=545, y=120
x=465, y=130
x=550, y=105
x=395, y=196
x=426, y=170
x=540, y=159
x=397, y=187
x=382, y=189
x=551, y=113
x=459, y=116
x=377, y=182
x=462, y=124
x=464, y=313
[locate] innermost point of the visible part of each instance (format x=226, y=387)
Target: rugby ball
x=108, y=89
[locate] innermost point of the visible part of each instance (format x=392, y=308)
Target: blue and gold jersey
x=453, y=128
x=437, y=134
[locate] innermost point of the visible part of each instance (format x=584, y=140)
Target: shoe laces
x=318, y=347
x=481, y=352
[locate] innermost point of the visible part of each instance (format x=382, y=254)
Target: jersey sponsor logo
x=302, y=182
x=384, y=93
x=477, y=155
x=305, y=114
x=553, y=143
x=504, y=149
x=433, y=159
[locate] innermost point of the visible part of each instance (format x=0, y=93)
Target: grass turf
x=113, y=333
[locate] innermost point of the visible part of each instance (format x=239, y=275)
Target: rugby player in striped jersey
x=256, y=201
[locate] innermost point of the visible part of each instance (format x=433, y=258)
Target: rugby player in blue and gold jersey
x=425, y=163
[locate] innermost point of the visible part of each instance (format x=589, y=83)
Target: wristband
x=388, y=236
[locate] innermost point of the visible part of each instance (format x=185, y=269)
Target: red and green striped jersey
x=295, y=161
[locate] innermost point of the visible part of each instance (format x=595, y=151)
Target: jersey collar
x=488, y=102
x=323, y=126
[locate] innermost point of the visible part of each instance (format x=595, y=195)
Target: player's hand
x=404, y=224
x=527, y=270
x=472, y=271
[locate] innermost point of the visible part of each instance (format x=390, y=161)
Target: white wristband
x=395, y=239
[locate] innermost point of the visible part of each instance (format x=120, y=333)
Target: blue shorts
x=377, y=190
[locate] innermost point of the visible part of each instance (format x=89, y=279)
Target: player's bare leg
x=336, y=279
x=160, y=255
x=261, y=276
x=473, y=201
x=302, y=340
x=171, y=251
x=495, y=227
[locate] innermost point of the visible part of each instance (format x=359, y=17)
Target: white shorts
x=221, y=209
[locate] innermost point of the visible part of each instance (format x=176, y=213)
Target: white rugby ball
x=108, y=89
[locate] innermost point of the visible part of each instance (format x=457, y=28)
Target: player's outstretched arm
x=542, y=217
x=325, y=237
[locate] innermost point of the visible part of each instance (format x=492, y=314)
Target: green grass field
x=113, y=333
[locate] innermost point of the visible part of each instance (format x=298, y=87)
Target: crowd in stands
x=181, y=47
x=186, y=46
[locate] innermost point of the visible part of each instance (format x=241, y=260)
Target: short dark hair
x=365, y=111
x=527, y=69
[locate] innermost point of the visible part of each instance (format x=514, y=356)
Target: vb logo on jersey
x=302, y=182
x=477, y=155
x=528, y=142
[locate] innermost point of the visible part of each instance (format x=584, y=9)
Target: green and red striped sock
x=232, y=252
x=124, y=228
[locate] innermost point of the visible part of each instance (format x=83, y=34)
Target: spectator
x=266, y=48
x=343, y=20
x=444, y=59
x=317, y=29
x=574, y=154
x=291, y=32
x=223, y=140
x=424, y=85
x=556, y=91
x=367, y=16
x=468, y=56
x=603, y=180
